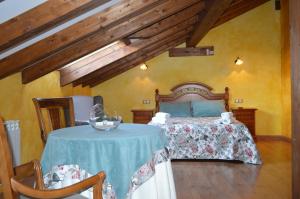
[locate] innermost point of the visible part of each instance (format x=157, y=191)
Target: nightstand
x=142, y=116
x=246, y=116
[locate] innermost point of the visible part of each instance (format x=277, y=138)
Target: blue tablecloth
x=119, y=152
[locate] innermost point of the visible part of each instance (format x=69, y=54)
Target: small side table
x=142, y=116
x=246, y=116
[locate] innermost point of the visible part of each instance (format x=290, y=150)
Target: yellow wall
x=254, y=36
x=16, y=104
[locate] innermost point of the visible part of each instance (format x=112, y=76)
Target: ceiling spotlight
x=238, y=61
x=143, y=67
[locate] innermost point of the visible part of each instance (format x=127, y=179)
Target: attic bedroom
x=165, y=98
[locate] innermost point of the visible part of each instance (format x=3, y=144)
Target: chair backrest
x=59, y=114
x=12, y=178
x=6, y=165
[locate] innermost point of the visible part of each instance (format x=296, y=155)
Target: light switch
x=146, y=101
x=238, y=100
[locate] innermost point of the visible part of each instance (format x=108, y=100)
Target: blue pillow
x=208, y=108
x=178, y=109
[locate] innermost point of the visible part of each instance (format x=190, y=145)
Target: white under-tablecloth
x=159, y=186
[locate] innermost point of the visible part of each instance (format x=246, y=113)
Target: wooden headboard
x=191, y=91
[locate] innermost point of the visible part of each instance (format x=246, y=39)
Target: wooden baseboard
x=273, y=138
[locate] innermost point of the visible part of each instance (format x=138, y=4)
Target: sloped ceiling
x=112, y=38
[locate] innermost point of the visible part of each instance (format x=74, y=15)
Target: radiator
x=14, y=138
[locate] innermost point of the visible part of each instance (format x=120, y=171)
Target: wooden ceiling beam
x=135, y=56
x=214, y=9
x=102, y=71
x=157, y=30
x=42, y=18
x=68, y=75
x=136, y=62
x=238, y=8
x=72, y=75
x=102, y=38
x=110, y=17
x=184, y=52
x=92, y=58
x=168, y=22
x=97, y=56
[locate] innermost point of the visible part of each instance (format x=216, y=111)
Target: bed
x=193, y=131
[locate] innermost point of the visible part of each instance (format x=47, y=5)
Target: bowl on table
x=105, y=124
x=100, y=120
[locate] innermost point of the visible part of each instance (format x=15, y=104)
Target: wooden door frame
x=294, y=7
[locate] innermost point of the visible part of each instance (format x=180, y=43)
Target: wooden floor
x=227, y=180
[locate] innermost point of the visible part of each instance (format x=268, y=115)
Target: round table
x=119, y=152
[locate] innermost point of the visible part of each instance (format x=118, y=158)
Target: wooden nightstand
x=246, y=116
x=142, y=116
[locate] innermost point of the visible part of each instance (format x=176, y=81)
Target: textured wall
x=16, y=104
x=254, y=36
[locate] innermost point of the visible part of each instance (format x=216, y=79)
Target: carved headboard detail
x=191, y=91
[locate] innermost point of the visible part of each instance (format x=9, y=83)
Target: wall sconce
x=238, y=61
x=143, y=66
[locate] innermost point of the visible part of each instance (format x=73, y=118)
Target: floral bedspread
x=205, y=138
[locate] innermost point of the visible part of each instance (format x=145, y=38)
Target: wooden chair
x=13, y=178
x=55, y=119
